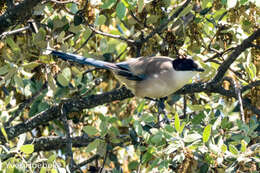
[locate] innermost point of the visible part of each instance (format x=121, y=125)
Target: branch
x=233, y=56
x=163, y=25
x=72, y=105
x=18, y=14
x=129, y=41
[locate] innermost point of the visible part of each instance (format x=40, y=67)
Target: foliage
x=208, y=131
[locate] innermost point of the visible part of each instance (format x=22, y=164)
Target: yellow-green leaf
x=233, y=149
x=206, y=133
x=177, y=122
x=4, y=133
x=27, y=149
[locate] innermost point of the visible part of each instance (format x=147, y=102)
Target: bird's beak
x=199, y=69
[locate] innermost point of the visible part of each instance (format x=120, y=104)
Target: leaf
x=243, y=146
x=100, y=20
x=138, y=128
x=177, y=122
x=93, y=145
x=133, y=165
x=51, y=158
x=233, y=149
x=147, y=118
x=120, y=10
x=223, y=148
x=90, y=130
x=156, y=139
x=4, y=133
x=140, y=6
x=242, y=2
x=27, y=149
x=18, y=81
x=192, y=137
x=64, y=77
x=4, y=69
x=169, y=128
x=13, y=45
x=206, y=133
x=108, y=4
x=140, y=107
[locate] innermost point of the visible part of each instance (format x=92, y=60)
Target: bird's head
x=186, y=65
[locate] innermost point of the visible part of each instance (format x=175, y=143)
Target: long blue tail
x=82, y=60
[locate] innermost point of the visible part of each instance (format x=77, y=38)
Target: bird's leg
x=161, y=109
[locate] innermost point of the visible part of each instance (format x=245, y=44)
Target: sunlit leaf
x=206, y=133
x=177, y=123
x=27, y=149
x=233, y=149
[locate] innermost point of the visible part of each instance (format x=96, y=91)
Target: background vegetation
x=59, y=116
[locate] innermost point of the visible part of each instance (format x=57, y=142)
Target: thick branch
x=18, y=14
x=72, y=105
x=234, y=55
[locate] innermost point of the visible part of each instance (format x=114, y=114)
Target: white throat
x=183, y=77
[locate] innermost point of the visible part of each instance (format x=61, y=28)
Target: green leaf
x=13, y=45
x=90, y=130
x=4, y=69
x=120, y=10
x=108, y=4
x=138, y=128
x=93, y=145
x=233, y=149
x=27, y=149
x=169, y=128
x=64, y=77
x=100, y=20
x=177, y=123
x=242, y=2
x=147, y=118
x=133, y=165
x=146, y=157
x=140, y=6
x=140, y=107
x=206, y=133
x=156, y=139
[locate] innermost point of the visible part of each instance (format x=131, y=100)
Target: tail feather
x=82, y=60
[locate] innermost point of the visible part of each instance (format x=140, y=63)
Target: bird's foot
x=161, y=110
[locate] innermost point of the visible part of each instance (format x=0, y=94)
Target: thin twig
x=105, y=159
x=84, y=163
x=85, y=42
x=3, y=35
x=163, y=25
x=239, y=97
x=129, y=41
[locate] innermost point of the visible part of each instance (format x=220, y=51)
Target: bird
x=153, y=77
